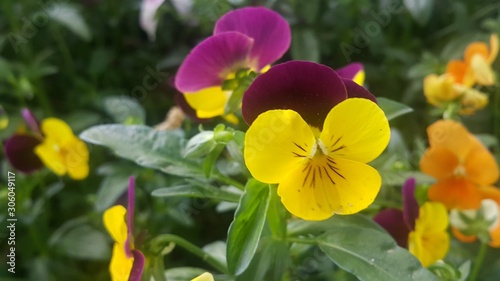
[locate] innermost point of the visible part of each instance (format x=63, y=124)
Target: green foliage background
x=73, y=68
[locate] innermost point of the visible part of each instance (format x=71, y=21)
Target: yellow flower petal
x=323, y=186
x=76, y=159
x=429, y=241
x=204, y=277
x=359, y=78
x=114, y=221
x=472, y=100
x=482, y=70
x=208, y=102
x=57, y=130
x=51, y=157
x=276, y=143
x=356, y=129
x=439, y=89
x=493, y=48
x=120, y=266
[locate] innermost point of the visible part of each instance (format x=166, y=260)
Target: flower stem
x=158, y=243
x=479, y=261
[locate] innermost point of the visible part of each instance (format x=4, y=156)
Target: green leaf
x=70, y=17
x=272, y=259
x=197, y=190
x=124, y=110
x=420, y=10
x=393, y=109
x=82, y=242
x=305, y=45
x=146, y=146
x=110, y=189
x=246, y=228
x=200, y=145
x=370, y=253
x=211, y=159
x=183, y=273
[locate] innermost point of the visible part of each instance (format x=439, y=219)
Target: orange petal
x=462, y=237
x=451, y=135
x=476, y=48
x=455, y=193
x=480, y=165
x=439, y=162
x=456, y=69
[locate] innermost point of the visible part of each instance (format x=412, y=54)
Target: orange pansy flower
x=459, y=163
x=487, y=192
x=476, y=66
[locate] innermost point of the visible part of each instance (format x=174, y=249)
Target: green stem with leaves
x=161, y=241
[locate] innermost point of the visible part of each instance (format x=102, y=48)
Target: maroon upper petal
x=410, y=204
x=137, y=267
x=356, y=91
x=270, y=31
x=349, y=71
x=209, y=63
x=19, y=150
x=392, y=221
x=308, y=88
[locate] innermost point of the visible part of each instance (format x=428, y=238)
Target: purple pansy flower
x=244, y=40
x=309, y=88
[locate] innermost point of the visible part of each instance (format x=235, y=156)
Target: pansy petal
x=439, y=162
x=19, y=150
x=482, y=70
x=309, y=88
x=462, y=237
x=180, y=100
x=356, y=91
x=137, y=267
x=455, y=193
x=211, y=61
x=430, y=241
x=50, y=157
x=356, y=129
x=475, y=48
x=410, y=204
x=120, y=265
x=350, y=71
x=76, y=159
x=31, y=120
x=480, y=165
x=451, y=135
x=114, y=221
x=57, y=130
x=318, y=188
x=204, y=277
x=392, y=221
x=208, y=102
x=270, y=31
x=276, y=143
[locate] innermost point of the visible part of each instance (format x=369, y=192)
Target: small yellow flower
x=430, y=242
x=439, y=89
x=204, y=277
x=61, y=151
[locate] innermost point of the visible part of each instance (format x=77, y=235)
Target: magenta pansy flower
x=245, y=41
